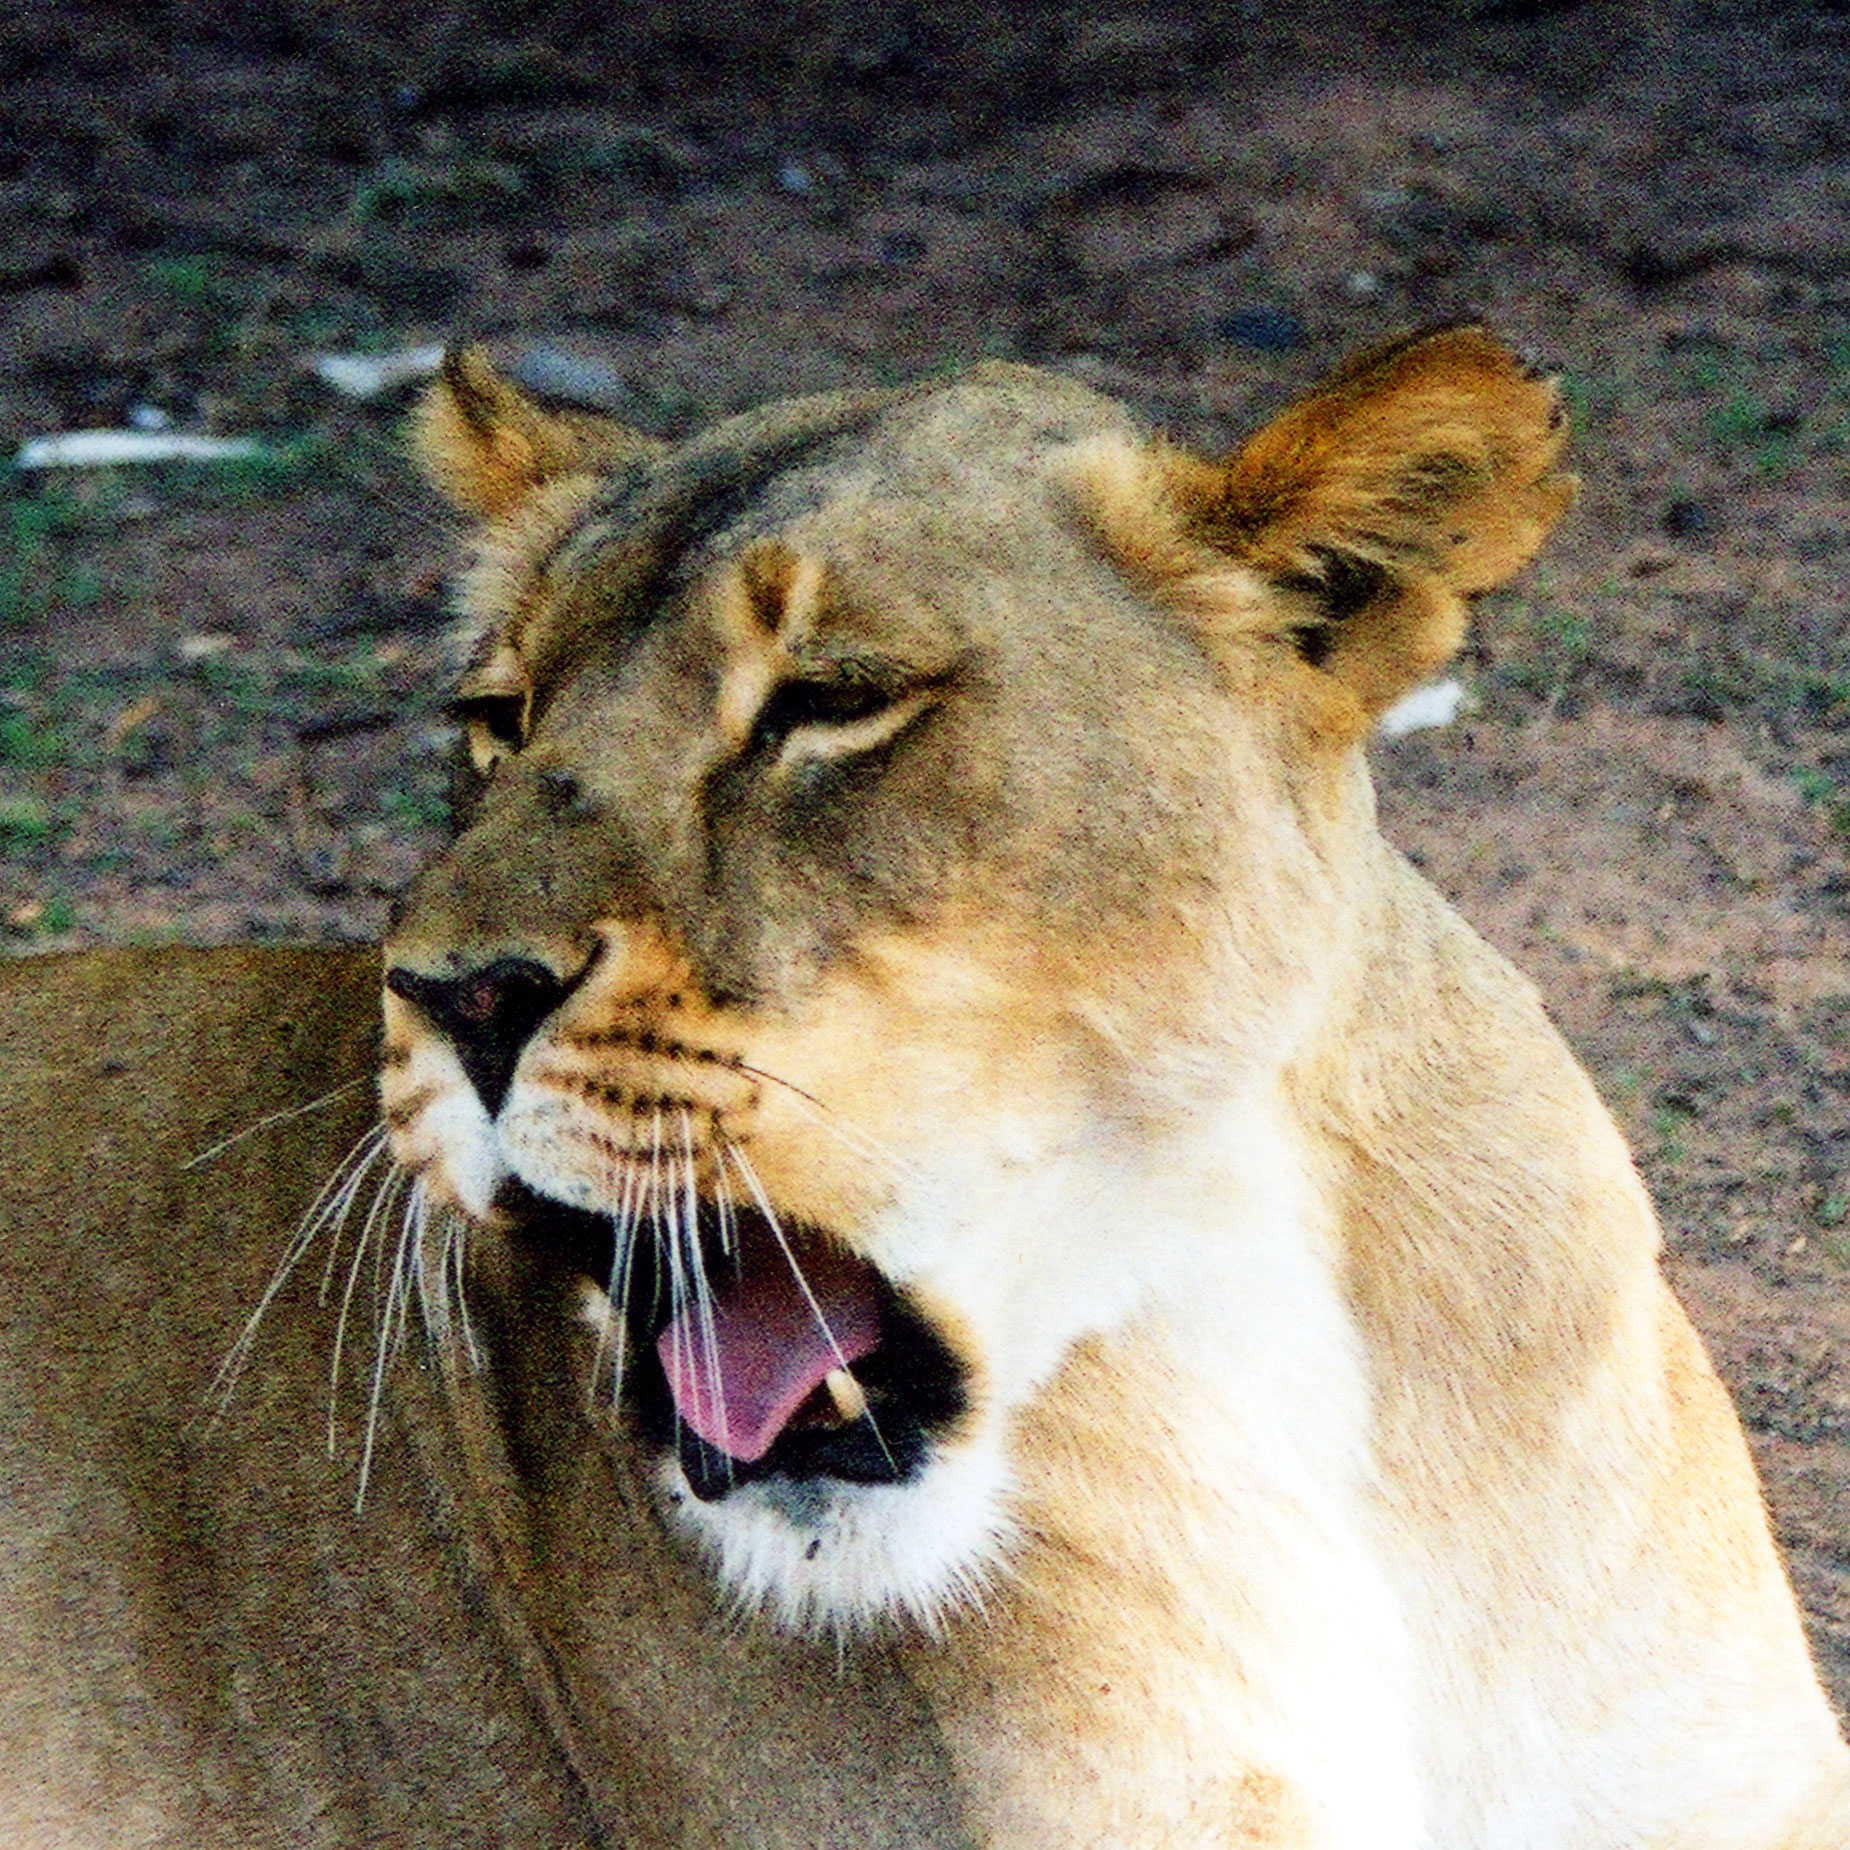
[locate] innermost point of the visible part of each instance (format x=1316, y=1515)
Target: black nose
x=488, y=1015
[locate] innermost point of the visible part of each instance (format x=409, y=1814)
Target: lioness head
x=900, y=826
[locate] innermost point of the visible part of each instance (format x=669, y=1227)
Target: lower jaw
x=888, y=1449
x=914, y=1385
x=806, y=1504
x=824, y=1558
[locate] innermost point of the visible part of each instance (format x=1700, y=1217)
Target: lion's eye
x=494, y=725
x=820, y=703
x=817, y=719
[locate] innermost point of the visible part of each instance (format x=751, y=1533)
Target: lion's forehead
x=901, y=488
x=1060, y=765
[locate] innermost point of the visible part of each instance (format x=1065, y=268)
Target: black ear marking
x=1343, y=584
x=1313, y=642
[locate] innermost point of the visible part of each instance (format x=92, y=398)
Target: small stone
x=1687, y=519
x=1265, y=330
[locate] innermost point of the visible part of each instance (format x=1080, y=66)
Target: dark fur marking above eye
x=667, y=515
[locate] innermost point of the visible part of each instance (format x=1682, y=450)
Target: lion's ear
x=1421, y=473
x=484, y=444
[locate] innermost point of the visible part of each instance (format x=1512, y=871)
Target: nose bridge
x=533, y=875
x=526, y=904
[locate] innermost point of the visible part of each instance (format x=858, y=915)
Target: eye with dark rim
x=796, y=704
x=493, y=725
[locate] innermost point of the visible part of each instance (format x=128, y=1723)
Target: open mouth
x=757, y=1351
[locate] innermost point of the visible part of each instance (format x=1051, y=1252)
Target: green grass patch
x=58, y=917
x=28, y=742
x=38, y=572
x=1826, y=792
x=193, y=283
x=399, y=189
x=416, y=806
x=25, y=822
x=1743, y=424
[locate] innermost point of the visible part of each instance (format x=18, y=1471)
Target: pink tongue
x=739, y=1385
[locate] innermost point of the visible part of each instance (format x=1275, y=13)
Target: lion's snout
x=487, y=1014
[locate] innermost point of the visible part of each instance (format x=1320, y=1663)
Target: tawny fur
x=1337, y=1469
x=942, y=814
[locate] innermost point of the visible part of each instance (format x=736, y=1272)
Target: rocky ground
x=222, y=686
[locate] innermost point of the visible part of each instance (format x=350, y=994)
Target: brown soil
x=222, y=691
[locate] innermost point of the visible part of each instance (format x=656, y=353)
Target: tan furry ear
x=484, y=444
x=1420, y=473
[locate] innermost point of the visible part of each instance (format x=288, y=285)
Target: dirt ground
x=222, y=687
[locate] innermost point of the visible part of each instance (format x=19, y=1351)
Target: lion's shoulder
x=211, y=1636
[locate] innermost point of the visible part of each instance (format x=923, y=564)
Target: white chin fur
x=826, y=1557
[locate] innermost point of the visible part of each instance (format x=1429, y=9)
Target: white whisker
x=705, y=1324
x=723, y=1206
x=676, y=1212
x=668, y=1218
x=439, y=1274
x=369, y=1236
x=731, y=1151
x=274, y=1117
x=455, y=1259
x=339, y=1212
x=623, y=1221
x=329, y=1210
x=412, y=1247
x=389, y=1338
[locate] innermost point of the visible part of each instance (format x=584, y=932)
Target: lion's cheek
x=569, y=1150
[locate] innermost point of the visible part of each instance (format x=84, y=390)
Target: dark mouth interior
x=912, y=1384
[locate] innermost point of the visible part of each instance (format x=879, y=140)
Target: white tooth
x=845, y=1394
